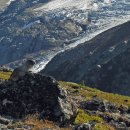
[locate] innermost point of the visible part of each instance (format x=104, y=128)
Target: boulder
x=4, y=121
x=99, y=105
x=85, y=126
x=36, y=93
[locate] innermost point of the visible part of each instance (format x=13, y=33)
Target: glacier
x=103, y=14
x=94, y=16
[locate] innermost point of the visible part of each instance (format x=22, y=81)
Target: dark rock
x=92, y=105
x=119, y=125
x=125, y=100
x=102, y=63
x=85, y=126
x=123, y=109
x=99, y=105
x=5, y=69
x=107, y=118
x=2, y=81
x=111, y=107
x=4, y=120
x=35, y=93
x=118, y=121
x=75, y=87
x=128, y=111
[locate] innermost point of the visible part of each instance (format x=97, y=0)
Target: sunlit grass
x=5, y=75
x=103, y=126
x=83, y=117
x=89, y=93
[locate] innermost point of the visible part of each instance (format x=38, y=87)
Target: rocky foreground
x=34, y=100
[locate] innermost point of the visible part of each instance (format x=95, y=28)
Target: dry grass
x=83, y=117
x=42, y=124
x=38, y=124
x=5, y=75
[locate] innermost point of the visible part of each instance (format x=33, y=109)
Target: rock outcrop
x=116, y=116
x=35, y=93
x=100, y=105
x=85, y=126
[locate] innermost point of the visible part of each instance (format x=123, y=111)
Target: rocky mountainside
x=40, y=29
x=35, y=93
x=27, y=32
x=39, y=102
x=102, y=62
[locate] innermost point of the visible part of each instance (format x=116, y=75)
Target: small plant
x=5, y=75
x=41, y=124
x=83, y=117
x=103, y=126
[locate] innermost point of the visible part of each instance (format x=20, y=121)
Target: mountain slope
x=40, y=29
x=102, y=62
x=28, y=33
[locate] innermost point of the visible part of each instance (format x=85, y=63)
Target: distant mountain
x=24, y=31
x=39, y=29
x=102, y=62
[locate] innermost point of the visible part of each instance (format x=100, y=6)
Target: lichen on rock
x=36, y=93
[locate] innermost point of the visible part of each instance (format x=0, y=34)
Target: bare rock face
x=99, y=105
x=35, y=93
x=32, y=32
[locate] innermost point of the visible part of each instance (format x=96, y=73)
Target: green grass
x=103, y=126
x=83, y=117
x=88, y=93
x=5, y=75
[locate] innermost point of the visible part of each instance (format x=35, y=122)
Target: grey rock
x=4, y=120
x=44, y=96
x=119, y=125
x=85, y=126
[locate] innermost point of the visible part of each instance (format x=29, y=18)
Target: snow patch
x=60, y=4
x=75, y=4
x=31, y=24
x=8, y=3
